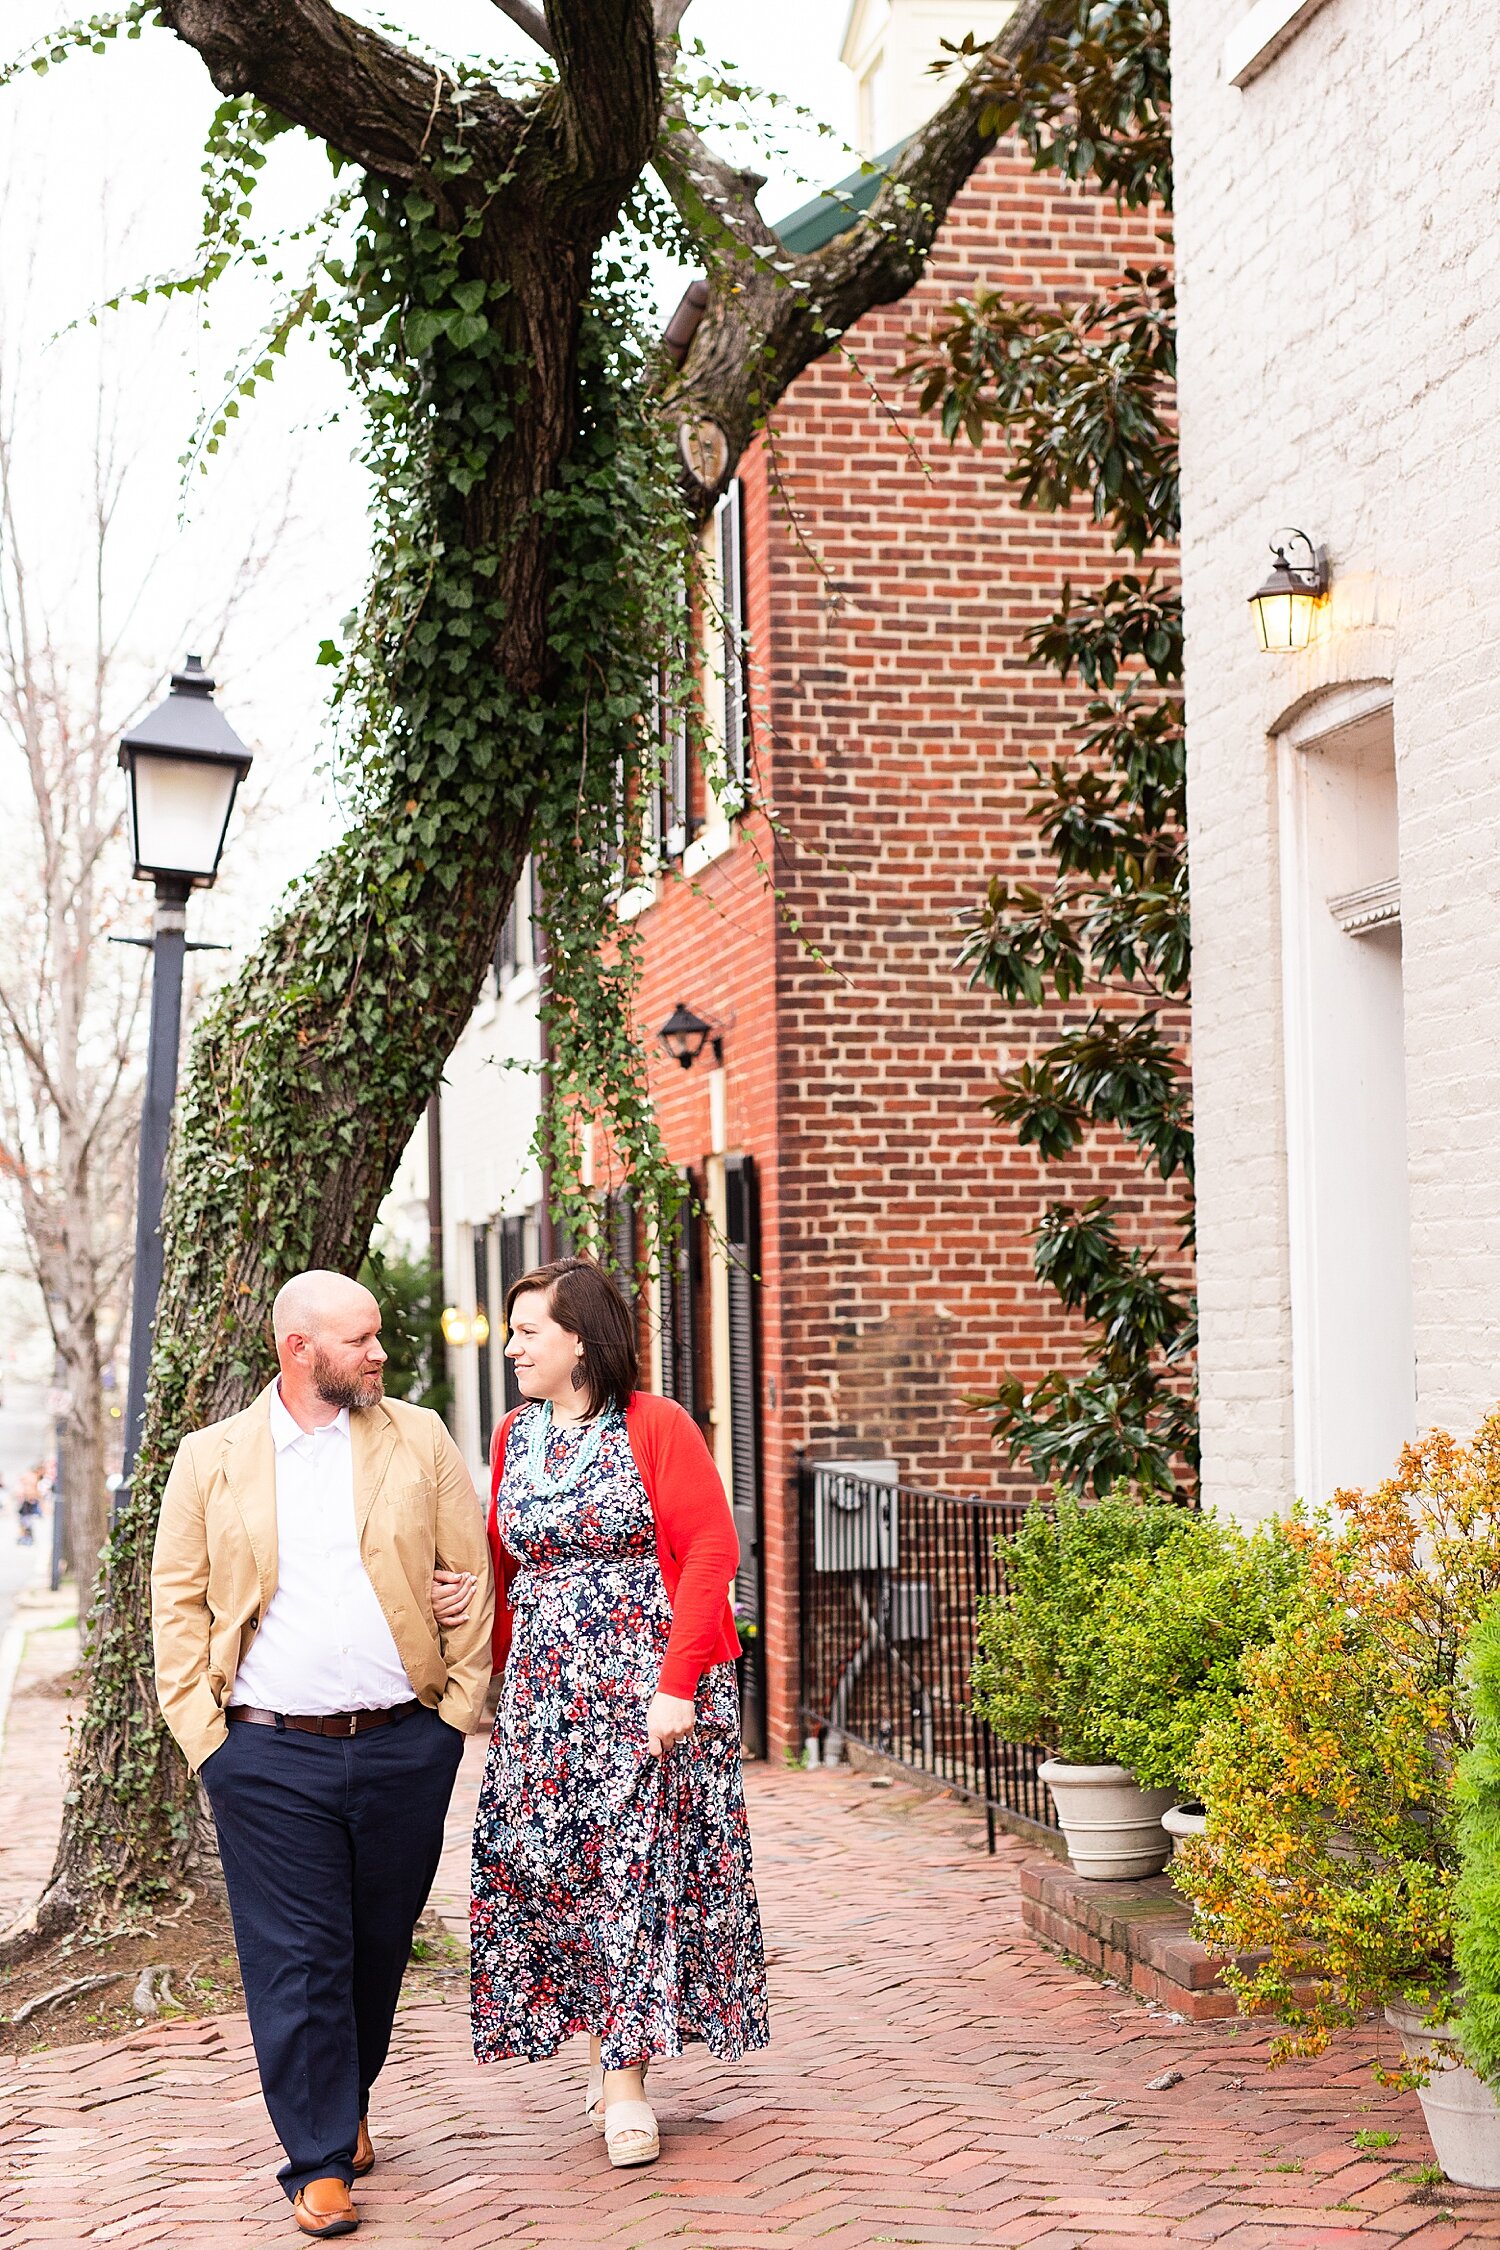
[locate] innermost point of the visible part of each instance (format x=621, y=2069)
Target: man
x=300, y=1670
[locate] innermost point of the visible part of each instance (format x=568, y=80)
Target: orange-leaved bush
x=1330, y=1846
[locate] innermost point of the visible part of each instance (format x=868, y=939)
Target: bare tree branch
x=531, y=21
x=771, y=313
x=362, y=94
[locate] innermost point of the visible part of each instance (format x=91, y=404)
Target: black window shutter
x=742, y=1233
x=512, y=1266
x=744, y=1374
x=620, y=1225
x=677, y=1290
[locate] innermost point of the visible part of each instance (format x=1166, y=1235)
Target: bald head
x=328, y=1346
x=312, y=1303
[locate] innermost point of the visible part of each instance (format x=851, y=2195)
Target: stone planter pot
x=1184, y=1820
x=1462, y=2112
x=1111, y=1826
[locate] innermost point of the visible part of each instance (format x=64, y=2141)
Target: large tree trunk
x=310, y=1074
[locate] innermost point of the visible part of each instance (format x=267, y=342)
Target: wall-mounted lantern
x=1285, y=607
x=460, y=1328
x=686, y=1034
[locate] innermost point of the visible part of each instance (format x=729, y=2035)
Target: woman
x=612, y=1889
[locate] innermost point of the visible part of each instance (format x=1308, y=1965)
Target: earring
x=579, y=1378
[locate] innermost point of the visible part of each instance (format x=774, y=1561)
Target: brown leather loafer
x=323, y=2207
x=364, y=2152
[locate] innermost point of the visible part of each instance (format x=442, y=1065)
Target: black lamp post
x=183, y=765
x=685, y=1035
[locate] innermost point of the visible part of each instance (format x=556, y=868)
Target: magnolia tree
x=538, y=469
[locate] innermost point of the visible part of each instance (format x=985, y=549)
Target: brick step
x=1139, y=1933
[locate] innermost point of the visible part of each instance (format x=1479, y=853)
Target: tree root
x=69, y=1991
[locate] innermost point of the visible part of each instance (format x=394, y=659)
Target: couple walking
x=327, y=1611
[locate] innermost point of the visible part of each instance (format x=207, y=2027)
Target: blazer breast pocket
x=414, y=1500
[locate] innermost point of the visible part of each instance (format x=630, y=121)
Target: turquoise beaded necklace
x=543, y=1483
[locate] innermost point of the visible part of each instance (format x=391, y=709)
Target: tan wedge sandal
x=593, y=2099
x=630, y=2134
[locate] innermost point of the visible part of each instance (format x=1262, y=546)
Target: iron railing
x=891, y=1576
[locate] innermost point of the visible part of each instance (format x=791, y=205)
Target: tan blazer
x=214, y=1569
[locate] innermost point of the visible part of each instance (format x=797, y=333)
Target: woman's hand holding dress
x=669, y=1719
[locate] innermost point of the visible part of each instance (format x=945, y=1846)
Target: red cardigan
x=695, y=1539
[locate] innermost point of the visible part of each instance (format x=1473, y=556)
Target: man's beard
x=354, y=1391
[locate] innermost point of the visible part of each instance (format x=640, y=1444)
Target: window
x=515, y=1259
x=515, y=948
x=688, y=815
x=482, y=1296
x=670, y=812
x=1353, y=1370
x=732, y=711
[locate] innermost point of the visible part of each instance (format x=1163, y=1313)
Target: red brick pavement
x=935, y=2078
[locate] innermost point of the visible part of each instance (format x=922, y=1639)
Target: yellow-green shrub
x=1330, y=1843
x=1173, y=1629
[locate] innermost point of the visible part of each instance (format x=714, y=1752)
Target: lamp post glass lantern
x=183, y=767
x=1286, y=606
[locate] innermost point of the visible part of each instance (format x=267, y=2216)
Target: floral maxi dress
x=612, y=1891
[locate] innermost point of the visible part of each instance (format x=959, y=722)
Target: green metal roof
x=833, y=212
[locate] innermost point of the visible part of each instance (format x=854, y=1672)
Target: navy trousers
x=329, y=1845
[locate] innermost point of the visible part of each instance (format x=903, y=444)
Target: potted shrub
x=1035, y=1673
x=1457, y=2062
x=1332, y=1846
x=1173, y=1628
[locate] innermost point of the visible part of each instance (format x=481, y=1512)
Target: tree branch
x=606, y=58
x=669, y=14
x=770, y=313
x=531, y=21
x=366, y=97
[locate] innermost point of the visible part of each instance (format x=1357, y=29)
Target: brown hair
x=582, y=1298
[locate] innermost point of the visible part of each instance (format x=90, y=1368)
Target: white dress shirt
x=324, y=1644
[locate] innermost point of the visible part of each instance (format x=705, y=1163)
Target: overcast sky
x=99, y=185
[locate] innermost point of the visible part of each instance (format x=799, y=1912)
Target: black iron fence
x=890, y=1579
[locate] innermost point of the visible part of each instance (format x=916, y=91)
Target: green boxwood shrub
x=1038, y=1646
x=1172, y=1627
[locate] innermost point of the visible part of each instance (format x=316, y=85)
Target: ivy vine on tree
x=1083, y=397
x=530, y=456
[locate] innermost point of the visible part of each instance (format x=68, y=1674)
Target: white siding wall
x=489, y=1116
x=1340, y=269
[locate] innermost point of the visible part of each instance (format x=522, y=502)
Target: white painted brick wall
x=1340, y=274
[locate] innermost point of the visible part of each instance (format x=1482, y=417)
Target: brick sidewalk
x=33, y=1753
x=935, y=2078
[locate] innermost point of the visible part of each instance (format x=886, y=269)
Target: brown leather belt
x=335, y=1722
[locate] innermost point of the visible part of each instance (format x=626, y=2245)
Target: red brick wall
x=895, y=721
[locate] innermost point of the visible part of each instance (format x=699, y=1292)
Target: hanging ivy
x=451, y=767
